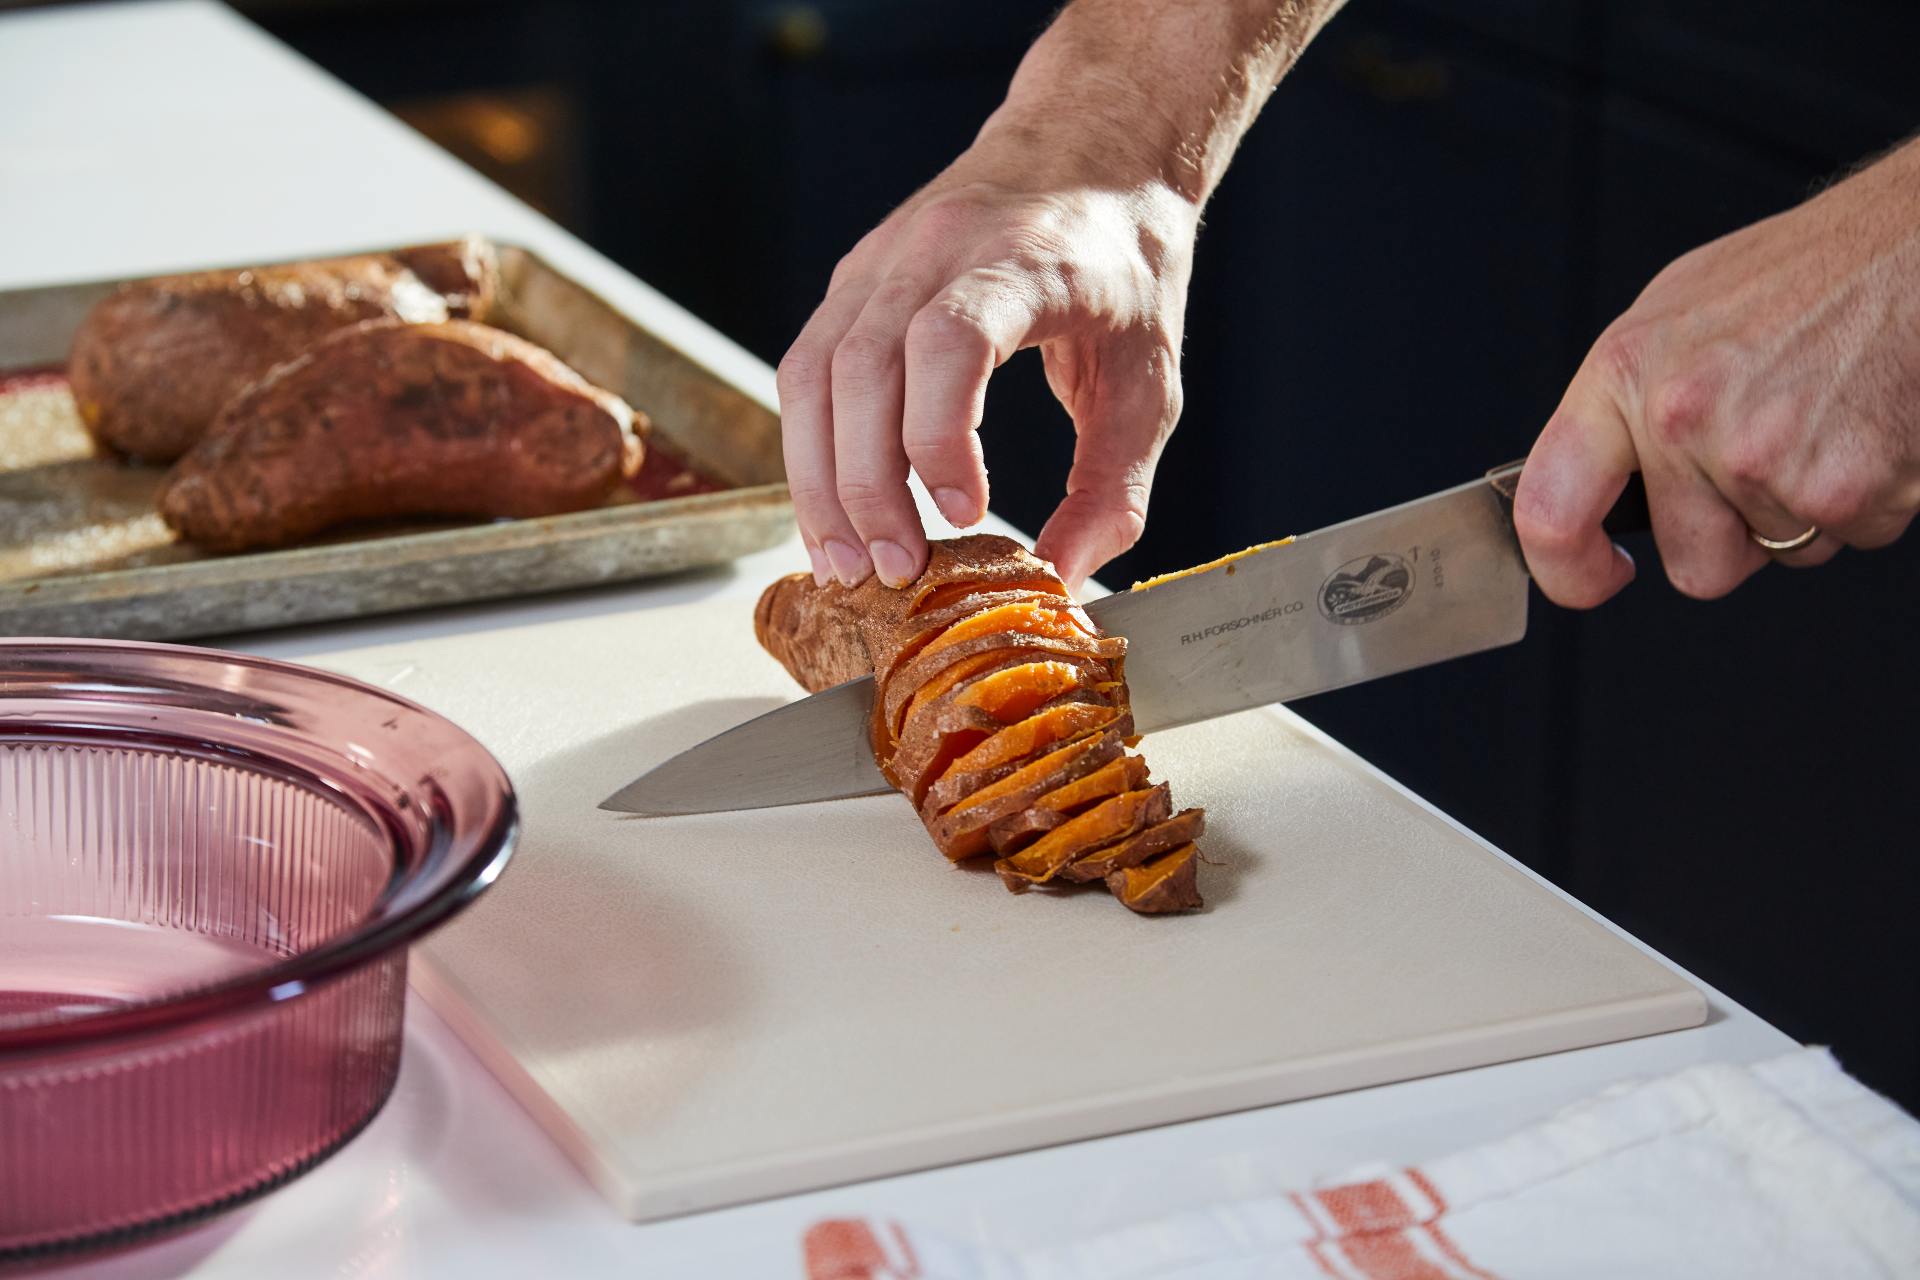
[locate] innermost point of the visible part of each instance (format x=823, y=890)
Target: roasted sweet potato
x=390, y=419
x=153, y=363
x=1001, y=712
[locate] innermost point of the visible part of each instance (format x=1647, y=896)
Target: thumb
x=1121, y=427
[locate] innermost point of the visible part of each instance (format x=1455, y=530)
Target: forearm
x=1152, y=90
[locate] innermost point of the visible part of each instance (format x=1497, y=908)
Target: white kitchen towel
x=1790, y=1168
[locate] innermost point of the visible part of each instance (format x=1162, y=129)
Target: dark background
x=1441, y=208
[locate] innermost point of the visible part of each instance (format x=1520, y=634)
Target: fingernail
x=956, y=506
x=891, y=562
x=1626, y=558
x=821, y=569
x=849, y=564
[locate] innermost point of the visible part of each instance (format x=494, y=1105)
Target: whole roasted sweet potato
x=1001, y=712
x=154, y=362
x=392, y=419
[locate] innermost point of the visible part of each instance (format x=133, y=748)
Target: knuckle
x=944, y=219
x=1618, y=354
x=1679, y=407
x=862, y=357
x=812, y=500
x=1750, y=459
x=1540, y=522
x=801, y=369
x=1834, y=501
x=945, y=328
x=863, y=499
x=896, y=294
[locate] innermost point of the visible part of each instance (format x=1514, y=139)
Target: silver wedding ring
x=1778, y=545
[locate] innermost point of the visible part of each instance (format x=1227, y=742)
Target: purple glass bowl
x=210, y=869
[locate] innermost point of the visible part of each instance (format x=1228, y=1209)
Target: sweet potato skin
x=153, y=363
x=390, y=419
x=981, y=747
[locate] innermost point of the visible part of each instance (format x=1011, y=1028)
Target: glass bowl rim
x=472, y=863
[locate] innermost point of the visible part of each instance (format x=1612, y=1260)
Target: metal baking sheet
x=84, y=553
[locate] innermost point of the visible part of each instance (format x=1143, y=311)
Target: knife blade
x=1419, y=583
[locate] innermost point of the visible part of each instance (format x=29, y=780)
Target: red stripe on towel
x=848, y=1249
x=1362, y=1207
x=1390, y=1255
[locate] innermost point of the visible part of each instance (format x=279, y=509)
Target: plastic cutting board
x=712, y=1009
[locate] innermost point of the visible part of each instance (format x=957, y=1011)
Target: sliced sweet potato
x=1101, y=825
x=1125, y=774
x=962, y=832
x=917, y=634
x=1023, y=616
x=1166, y=884
x=1017, y=742
x=945, y=682
x=1018, y=830
x=1182, y=828
x=1014, y=832
x=1002, y=713
x=1013, y=693
x=898, y=689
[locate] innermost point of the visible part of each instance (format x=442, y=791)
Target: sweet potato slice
x=1166, y=884
x=1101, y=825
x=962, y=832
x=956, y=785
x=1013, y=693
x=1018, y=830
x=1042, y=729
x=898, y=689
x=918, y=634
x=944, y=683
x=1182, y=828
x=1023, y=616
x=1010, y=834
x=1125, y=774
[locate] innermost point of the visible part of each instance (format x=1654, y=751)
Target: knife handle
x=1629, y=513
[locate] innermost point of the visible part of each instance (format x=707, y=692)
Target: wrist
x=1095, y=132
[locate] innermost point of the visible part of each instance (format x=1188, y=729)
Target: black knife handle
x=1629, y=513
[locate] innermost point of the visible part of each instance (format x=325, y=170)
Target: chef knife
x=1432, y=579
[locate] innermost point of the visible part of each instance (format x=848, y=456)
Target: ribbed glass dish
x=210, y=869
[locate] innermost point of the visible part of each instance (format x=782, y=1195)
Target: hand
x=999, y=253
x=1768, y=381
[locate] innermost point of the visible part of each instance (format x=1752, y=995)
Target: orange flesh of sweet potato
x=1017, y=692
x=1166, y=884
x=1182, y=828
x=945, y=681
x=964, y=831
x=1124, y=774
x=1025, y=616
x=1001, y=711
x=1103, y=824
x=1035, y=732
x=896, y=691
x=1040, y=770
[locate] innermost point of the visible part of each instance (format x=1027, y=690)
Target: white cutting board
x=712, y=1009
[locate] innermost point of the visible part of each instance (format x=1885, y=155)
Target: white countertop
x=147, y=137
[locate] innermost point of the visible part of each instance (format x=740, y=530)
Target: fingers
x=1121, y=430
x=1704, y=541
x=953, y=346
x=870, y=459
x=1575, y=473
x=805, y=380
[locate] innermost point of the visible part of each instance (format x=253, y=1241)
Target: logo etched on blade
x=1366, y=588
